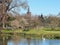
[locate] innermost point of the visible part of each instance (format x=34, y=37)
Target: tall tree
x=9, y=6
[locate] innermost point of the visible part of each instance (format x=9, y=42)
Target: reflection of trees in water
x=35, y=42
x=15, y=39
x=22, y=40
x=3, y=40
x=28, y=41
x=18, y=40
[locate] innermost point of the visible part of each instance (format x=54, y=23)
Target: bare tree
x=9, y=6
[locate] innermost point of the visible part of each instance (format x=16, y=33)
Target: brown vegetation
x=10, y=18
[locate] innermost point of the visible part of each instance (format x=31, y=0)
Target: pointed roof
x=28, y=10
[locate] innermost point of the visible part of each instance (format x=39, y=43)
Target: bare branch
x=21, y=4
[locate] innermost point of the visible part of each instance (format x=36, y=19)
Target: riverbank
x=47, y=33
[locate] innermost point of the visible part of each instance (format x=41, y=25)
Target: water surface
x=22, y=40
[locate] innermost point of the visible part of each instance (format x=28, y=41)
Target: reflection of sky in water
x=35, y=42
x=10, y=43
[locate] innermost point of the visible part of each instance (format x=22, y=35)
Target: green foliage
x=10, y=18
x=45, y=32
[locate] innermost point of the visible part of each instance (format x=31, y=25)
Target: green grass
x=45, y=32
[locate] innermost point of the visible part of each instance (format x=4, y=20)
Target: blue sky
x=44, y=6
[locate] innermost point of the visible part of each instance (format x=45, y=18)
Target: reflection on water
x=26, y=40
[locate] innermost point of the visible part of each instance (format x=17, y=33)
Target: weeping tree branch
x=8, y=5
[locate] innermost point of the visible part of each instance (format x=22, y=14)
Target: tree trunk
x=3, y=25
x=3, y=22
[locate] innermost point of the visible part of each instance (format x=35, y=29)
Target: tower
x=28, y=11
x=28, y=15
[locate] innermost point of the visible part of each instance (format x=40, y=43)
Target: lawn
x=45, y=32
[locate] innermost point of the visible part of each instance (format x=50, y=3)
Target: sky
x=44, y=6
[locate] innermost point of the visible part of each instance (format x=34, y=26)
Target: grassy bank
x=45, y=32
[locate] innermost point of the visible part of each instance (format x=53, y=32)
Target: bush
x=26, y=29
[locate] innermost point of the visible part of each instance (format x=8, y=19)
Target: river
x=26, y=40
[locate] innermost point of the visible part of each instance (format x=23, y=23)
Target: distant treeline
x=22, y=21
x=10, y=19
